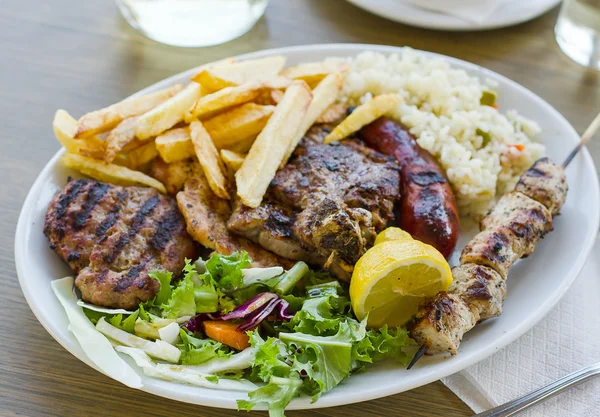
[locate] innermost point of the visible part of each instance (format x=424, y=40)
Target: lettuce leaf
x=226, y=270
x=126, y=324
x=270, y=365
x=320, y=316
x=381, y=344
x=195, y=351
x=164, y=278
x=182, y=301
x=326, y=360
x=277, y=394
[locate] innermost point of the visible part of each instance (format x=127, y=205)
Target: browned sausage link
x=427, y=207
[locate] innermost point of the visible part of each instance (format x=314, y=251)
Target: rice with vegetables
x=482, y=150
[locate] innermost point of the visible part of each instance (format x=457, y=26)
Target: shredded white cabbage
x=183, y=374
x=159, y=349
x=97, y=347
x=103, y=310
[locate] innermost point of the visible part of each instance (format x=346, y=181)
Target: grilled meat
x=527, y=219
x=442, y=323
x=175, y=174
x=206, y=217
x=481, y=287
x=546, y=183
x=325, y=206
x=112, y=236
x=510, y=231
x=496, y=248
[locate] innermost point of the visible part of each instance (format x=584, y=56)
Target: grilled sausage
x=427, y=206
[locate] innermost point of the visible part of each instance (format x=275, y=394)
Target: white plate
x=511, y=14
x=535, y=285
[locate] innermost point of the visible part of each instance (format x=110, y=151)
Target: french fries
x=65, y=126
x=236, y=121
x=233, y=160
x=209, y=159
x=115, y=174
x=271, y=145
x=169, y=113
x=141, y=155
x=363, y=115
x=225, y=98
x=105, y=119
x=243, y=146
x=120, y=137
x=313, y=72
x=217, y=77
x=333, y=113
x=270, y=98
x=237, y=124
x=323, y=97
x=175, y=145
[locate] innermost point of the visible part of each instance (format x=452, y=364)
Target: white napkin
x=475, y=11
x=566, y=340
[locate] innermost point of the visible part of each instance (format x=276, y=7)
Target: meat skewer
x=509, y=232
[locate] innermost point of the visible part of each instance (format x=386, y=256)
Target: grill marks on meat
x=546, y=183
x=325, y=206
x=509, y=232
x=206, y=217
x=112, y=236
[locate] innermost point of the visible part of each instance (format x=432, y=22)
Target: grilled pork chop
x=112, y=236
x=325, y=206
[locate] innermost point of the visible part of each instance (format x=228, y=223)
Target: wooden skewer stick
x=585, y=138
x=422, y=350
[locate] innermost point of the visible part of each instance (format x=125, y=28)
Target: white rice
x=442, y=110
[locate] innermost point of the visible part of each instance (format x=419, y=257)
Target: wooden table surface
x=82, y=56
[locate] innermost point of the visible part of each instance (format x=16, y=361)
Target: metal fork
x=520, y=404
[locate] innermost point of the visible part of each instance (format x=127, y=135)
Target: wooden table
x=81, y=56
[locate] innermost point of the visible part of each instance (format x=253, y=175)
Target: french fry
x=237, y=124
x=233, y=160
x=313, y=72
x=270, y=98
x=243, y=146
x=142, y=155
x=175, y=145
x=271, y=145
x=105, y=119
x=209, y=159
x=169, y=113
x=217, y=77
x=323, y=96
x=111, y=173
x=363, y=115
x=121, y=138
x=225, y=98
x=65, y=126
x=333, y=113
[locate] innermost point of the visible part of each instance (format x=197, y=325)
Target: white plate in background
x=511, y=14
x=534, y=285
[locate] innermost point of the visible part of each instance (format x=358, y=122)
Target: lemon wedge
x=394, y=277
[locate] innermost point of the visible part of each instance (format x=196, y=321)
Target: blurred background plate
x=399, y=11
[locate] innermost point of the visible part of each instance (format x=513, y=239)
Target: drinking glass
x=578, y=31
x=192, y=23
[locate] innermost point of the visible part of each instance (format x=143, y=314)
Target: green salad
x=272, y=333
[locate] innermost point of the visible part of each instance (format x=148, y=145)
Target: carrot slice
x=226, y=332
x=518, y=146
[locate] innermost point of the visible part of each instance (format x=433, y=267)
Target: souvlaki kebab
x=509, y=232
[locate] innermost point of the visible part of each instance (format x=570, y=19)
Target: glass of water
x=192, y=23
x=578, y=31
